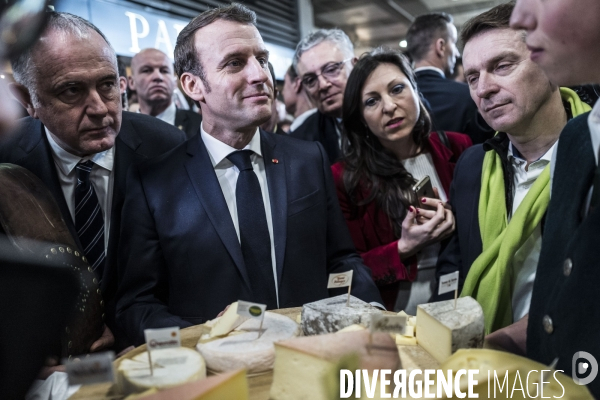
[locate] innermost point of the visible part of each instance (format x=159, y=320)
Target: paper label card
x=162, y=338
x=342, y=279
x=448, y=283
x=90, y=369
x=388, y=323
x=251, y=310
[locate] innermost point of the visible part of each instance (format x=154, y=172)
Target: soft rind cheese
x=442, y=329
x=172, y=367
x=248, y=350
x=227, y=386
x=331, y=315
x=523, y=373
x=302, y=363
x=227, y=322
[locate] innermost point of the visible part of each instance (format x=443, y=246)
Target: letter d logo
x=579, y=369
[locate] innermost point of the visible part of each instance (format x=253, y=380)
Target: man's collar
x=218, y=151
x=429, y=68
x=168, y=115
x=68, y=161
x=513, y=153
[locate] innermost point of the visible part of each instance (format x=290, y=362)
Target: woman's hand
x=421, y=228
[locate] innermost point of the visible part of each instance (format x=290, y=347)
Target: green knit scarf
x=491, y=278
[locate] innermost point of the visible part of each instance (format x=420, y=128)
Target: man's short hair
x=424, y=30
x=495, y=18
x=24, y=69
x=187, y=58
x=336, y=36
x=291, y=72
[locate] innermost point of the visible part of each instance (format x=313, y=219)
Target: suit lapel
x=441, y=156
x=205, y=182
x=39, y=160
x=275, y=167
x=181, y=120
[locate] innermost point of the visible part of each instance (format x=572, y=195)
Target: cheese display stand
x=259, y=386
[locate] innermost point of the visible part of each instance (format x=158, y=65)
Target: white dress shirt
x=101, y=177
x=526, y=258
x=169, y=114
x=227, y=175
x=301, y=118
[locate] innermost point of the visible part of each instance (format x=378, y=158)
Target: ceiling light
x=1, y=76
x=403, y=43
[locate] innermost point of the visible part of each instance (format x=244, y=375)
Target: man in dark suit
x=76, y=125
x=432, y=46
x=324, y=60
x=565, y=315
x=153, y=79
x=501, y=189
x=235, y=212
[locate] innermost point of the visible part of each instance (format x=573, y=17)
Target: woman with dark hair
x=387, y=148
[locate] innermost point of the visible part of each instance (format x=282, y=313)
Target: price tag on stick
x=342, y=279
x=448, y=283
x=252, y=310
x=93, y=368
x=163, y=338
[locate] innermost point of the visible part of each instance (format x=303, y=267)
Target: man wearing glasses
x=323, y=61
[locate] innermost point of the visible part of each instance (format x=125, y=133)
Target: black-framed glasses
x=329, y=71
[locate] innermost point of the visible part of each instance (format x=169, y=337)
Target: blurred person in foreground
x=389, y=148
x=501, y=188
x=564, y=318
x=154, y=81
x=78, y=141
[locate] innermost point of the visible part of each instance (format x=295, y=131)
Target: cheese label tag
x=388, y=323
x=93, y=368
x=448, y=283
x=252, y=310
x=162, y=338
x=342, y=279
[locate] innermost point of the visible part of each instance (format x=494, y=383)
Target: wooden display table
x=412, y=357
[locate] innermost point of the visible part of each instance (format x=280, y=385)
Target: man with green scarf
x=501, y=189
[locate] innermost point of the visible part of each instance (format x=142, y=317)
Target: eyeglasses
x=329, y=71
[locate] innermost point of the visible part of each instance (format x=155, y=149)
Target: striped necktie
x=89, y=221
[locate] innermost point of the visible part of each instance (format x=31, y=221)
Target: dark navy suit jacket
x=452, y=107
x=181, y=262
x=141, y=137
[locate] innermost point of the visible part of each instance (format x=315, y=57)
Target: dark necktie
x=254, y=233
x=89, y=221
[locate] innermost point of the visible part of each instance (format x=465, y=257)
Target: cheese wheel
x=331, y=315
x=443, y=329
x=248, y=350
x=172, y=367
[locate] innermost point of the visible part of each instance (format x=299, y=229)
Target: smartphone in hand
x=423, y=188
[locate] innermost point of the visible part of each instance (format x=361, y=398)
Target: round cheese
x=171, y=367
x=248, y=350
x=332, y=314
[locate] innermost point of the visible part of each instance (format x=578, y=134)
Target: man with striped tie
x=78, y=141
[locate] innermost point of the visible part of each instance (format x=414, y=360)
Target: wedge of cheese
x=302, y=363
x=171, y=367
x=227, y=322
x=353, y=328
x=246, y=349
x=331, y=315
x=442, y=329
x=520, y=373
x=228, y=386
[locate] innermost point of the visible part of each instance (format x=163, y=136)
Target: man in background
x=297, y=102
x=324, y=60
x=432, y=46
x=153, y=79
